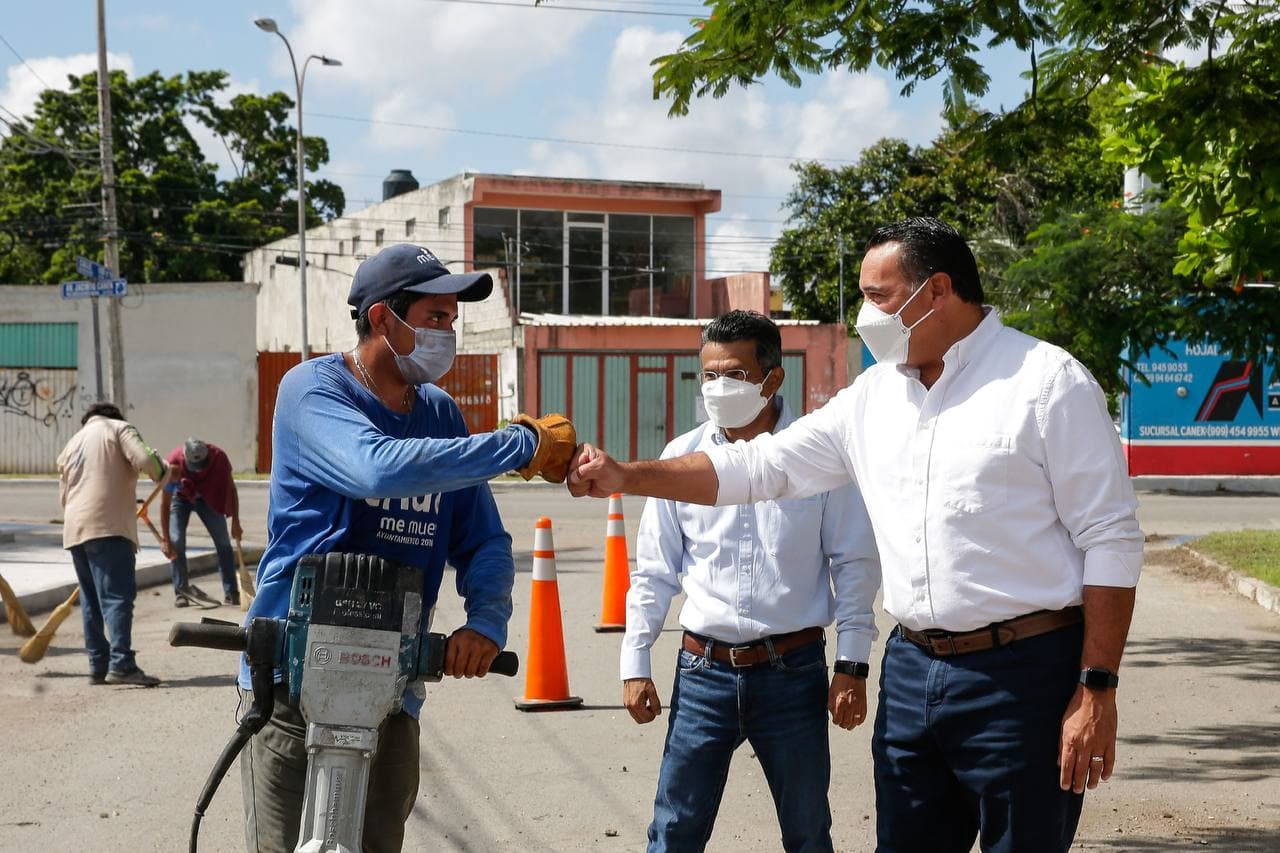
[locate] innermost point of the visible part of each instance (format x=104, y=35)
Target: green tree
x=177, y=220
x=1207, y=133
x=995, y=186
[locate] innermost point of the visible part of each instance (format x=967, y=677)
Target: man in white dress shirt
x=1007, y=535
x=758, y=585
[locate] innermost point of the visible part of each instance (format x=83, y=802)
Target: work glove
x=557, y=440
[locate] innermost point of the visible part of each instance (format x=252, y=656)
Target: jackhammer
x=351, y=644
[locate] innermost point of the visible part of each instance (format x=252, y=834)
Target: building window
x=355, y=246
x=590, y=263
x=443, y=218
x=377, y=237
x=410, y=225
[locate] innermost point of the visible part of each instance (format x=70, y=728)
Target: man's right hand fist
x=557, y=441
x=641, y=699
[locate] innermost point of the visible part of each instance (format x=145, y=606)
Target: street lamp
x=268, y=25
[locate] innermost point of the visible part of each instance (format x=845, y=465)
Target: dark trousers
x=180, y=510
x=967, y=746
x=781, y=710
x=273, y=779
x=108, y=588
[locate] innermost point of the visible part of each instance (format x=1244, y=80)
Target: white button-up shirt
x=999, y=491
x=753, y=571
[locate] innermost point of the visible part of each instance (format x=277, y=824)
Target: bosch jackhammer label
x=350, y=658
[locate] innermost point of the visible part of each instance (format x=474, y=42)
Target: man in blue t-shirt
x=370, y=457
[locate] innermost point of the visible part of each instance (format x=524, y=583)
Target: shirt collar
x=973, y=344
x=785, y=419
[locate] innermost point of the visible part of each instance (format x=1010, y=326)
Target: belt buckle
x=733, y=656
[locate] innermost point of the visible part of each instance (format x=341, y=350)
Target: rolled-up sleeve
x=1089, y=477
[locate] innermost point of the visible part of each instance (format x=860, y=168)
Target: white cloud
x=393, y=47
x=400, y=108
x=22, y=88
x=739, y=245
x=841, y=115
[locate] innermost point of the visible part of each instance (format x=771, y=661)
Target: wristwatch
x=1098, y=678
x=848, y=667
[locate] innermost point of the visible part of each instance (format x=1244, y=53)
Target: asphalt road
x=118, y=769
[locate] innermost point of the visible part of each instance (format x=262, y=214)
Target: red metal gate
x=472, y=382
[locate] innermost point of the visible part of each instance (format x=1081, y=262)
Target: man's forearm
x=689, y=479
x=1107, y=613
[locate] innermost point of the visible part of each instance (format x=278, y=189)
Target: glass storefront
x=590, y=263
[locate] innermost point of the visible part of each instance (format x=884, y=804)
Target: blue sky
x=530, y=72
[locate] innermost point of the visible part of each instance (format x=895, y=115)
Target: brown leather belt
x=755, y=652
x=945, y=643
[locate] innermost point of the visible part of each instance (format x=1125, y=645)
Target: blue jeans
x=781, y=710
x=108, y=586
x=966, y=747
x=179, y=514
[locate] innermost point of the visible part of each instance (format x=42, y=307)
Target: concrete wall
x=333, y=257
x=190, y=362
x=744, y=291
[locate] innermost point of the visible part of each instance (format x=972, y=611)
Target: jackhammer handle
x=506, y=663
x=230, y=638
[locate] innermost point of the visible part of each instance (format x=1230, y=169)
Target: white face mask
x=886, y=335
x=732, y=403
x=432, y=356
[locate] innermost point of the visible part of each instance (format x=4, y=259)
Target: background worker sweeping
x=201, y=483
x=372, y=458
x=97, y=476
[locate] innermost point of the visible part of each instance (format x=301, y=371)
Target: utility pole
x=840, y=248
x=111, y=250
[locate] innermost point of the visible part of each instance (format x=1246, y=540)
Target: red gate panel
x=472, y=382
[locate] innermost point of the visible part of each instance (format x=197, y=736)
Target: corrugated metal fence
x=632, y=404
x=39, y=409
x=473, y=384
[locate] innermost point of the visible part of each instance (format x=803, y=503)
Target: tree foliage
x=177, y=219
x=1207, y=133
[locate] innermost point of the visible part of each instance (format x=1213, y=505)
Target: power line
x=597, y=9
x=630, y=146
x=14, y=51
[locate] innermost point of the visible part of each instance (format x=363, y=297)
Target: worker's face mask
x=432, y=356
x=886, y=335
x=733, y=403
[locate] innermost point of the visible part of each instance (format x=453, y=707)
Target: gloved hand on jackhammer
x=557, y=441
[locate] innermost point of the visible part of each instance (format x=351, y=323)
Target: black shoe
x=134, y=676
x=97, y=678
x=181, y=600
x=198, y=596
x=232, y=598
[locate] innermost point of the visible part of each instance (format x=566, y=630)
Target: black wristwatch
x=848, y=667
x=1098, y=678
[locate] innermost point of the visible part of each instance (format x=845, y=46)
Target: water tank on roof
x=400, y=181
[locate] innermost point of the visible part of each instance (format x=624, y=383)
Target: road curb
x=149, y=575
x=1259, y=592
x=1207, y=485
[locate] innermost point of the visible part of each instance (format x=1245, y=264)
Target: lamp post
x=268, y=25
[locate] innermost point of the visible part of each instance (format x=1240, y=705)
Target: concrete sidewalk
x=40, y=570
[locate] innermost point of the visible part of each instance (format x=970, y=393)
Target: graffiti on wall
x=38, y=398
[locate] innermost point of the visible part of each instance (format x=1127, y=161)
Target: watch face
x=1097, y=678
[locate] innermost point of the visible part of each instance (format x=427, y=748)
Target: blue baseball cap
x=415, y=269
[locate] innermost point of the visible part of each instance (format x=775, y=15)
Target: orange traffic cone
x=546, y=683
x=617, y=571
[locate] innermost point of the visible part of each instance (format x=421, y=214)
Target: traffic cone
x=617, y=571
x=546, y=681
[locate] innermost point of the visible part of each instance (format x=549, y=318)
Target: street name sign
x=104, y=287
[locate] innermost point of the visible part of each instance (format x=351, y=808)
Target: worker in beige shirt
x=98, y=475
